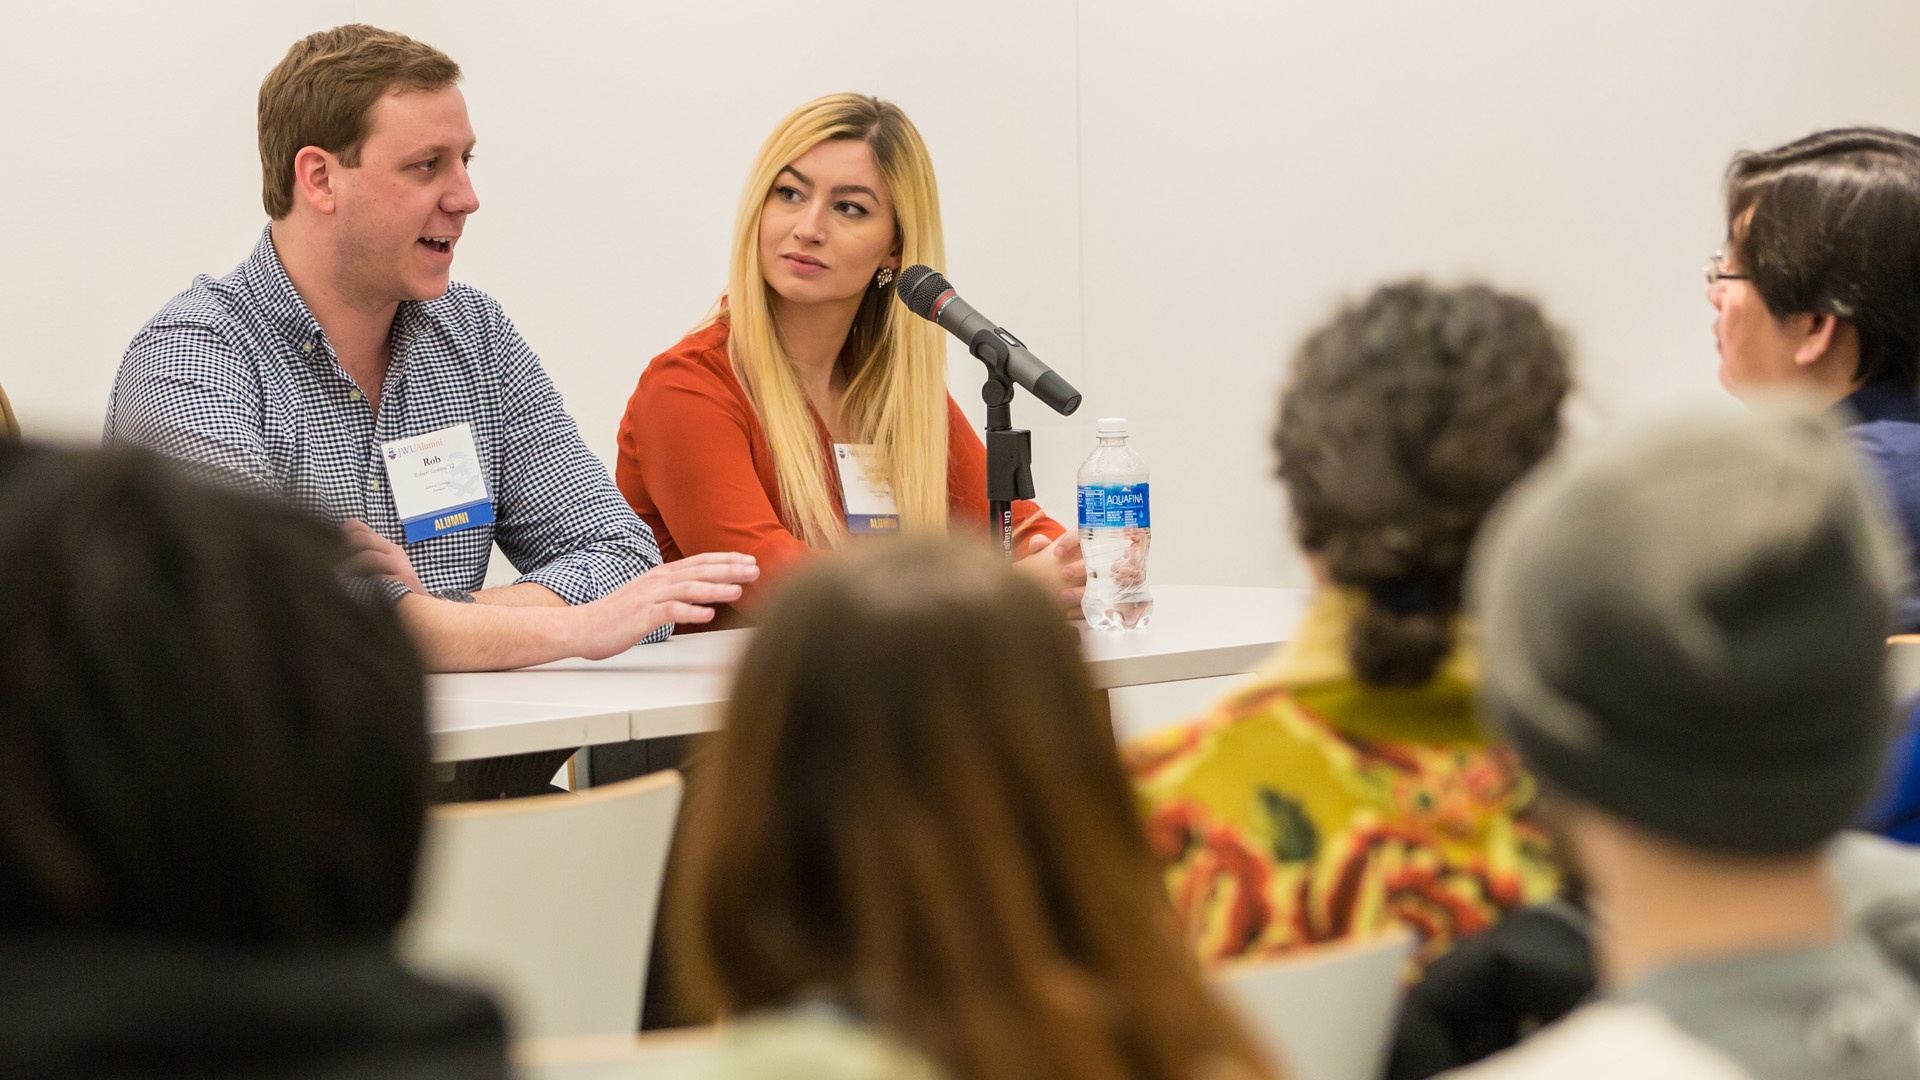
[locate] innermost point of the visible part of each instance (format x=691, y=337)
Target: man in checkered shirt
x=342, y=332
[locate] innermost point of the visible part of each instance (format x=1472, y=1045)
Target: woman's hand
x=1058, y=566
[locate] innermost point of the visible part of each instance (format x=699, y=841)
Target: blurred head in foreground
x=917, y=810
x=1686, y=631
x=1685, y=640
x=1404, y=418
x=201, y=735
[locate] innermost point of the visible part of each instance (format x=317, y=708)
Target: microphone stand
x=1009, y=449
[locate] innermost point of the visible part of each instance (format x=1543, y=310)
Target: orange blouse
x=695, y=464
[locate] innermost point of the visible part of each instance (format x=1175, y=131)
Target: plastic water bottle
x=1116, y=528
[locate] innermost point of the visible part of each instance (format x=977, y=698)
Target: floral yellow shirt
x=1313, y=807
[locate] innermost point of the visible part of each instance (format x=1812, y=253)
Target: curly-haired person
x=1349, y=789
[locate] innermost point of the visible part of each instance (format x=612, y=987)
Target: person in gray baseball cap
x=1685, y=640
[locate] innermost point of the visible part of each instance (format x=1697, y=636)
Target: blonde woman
x=811, y=406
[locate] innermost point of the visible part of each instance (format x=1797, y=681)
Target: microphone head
x=918, y=287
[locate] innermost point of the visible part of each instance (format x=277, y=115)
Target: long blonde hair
x=896, y=386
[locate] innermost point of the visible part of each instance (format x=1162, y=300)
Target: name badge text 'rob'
x=437, y=484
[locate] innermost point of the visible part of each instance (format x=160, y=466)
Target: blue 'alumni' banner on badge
x=862, y=524
x=450, y=520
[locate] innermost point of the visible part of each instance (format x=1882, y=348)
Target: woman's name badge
x=868, y=495
x=437, y=485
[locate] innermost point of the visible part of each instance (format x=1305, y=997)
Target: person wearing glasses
x=1817, y=292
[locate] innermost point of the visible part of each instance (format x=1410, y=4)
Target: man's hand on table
x=675, y=592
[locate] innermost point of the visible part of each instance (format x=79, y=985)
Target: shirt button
x=373, y=483
x=355, y=394
x=307, y=348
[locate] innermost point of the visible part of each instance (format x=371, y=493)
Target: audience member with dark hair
x=913, y=852
x=212, y=788
x=1818, y=291
x=1683, y=637
x=1350, y=789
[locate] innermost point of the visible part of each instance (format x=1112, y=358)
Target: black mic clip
x=1009, y=449
x=990, y=347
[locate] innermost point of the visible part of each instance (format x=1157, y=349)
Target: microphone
x=927, y=294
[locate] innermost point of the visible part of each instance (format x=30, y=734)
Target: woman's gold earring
x=884, y=278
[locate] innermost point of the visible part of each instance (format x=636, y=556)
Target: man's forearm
x=520, y=594
x=486, y=637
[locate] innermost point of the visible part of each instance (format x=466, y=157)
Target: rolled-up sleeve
x=560, y=520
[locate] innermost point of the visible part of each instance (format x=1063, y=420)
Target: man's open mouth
x=439, y=244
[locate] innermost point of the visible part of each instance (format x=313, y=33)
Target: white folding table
x=680, y=686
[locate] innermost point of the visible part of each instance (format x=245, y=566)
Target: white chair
x=667, y=1055
x=547, y=902
x=1143, y=710
x=1326, y=1013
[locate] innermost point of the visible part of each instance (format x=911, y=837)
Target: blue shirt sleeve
x=1894, y=811
x=185, y=392
x=558, y=517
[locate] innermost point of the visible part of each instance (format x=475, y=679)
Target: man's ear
x=313, y=178
x=1819, y=333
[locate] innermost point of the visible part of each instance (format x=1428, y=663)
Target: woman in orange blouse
x=728, y=441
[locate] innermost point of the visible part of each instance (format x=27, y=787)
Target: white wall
x=1159, y=203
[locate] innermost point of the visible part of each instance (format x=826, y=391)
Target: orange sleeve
x=967, y=486
x=687, y=465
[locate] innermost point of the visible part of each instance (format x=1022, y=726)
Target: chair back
x=1325, y=1013
x=548, y=902
x=1152, y=707
x=9, y=423
x=666, y=1055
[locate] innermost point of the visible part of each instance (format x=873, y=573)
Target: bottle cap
x=1112, y=427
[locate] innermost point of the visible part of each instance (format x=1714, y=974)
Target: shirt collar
x=271, y=288
x=1887, y=399
x=1821, y=1002
x=1317, y=667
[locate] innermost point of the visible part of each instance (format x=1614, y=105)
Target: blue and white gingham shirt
x=235, y=375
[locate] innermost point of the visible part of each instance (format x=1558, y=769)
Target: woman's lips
x=800, y=264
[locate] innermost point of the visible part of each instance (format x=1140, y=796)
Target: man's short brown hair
x=323, y=92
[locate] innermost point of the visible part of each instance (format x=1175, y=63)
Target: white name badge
x=868, y=496
x=437, y=486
